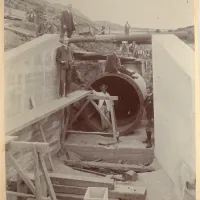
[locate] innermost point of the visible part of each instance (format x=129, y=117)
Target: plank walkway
x=24, y=120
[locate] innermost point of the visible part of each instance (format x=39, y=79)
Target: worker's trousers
x=62, y=33
x=107, y=114
x=65, y=81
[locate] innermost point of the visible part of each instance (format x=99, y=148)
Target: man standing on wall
x=65, y=61
x=67, y=22
x=127, y=28
x=105, y=106
x=148, y=105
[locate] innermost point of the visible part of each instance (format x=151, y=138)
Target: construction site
x=55, y=148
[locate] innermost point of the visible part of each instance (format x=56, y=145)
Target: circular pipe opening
x=127, y=107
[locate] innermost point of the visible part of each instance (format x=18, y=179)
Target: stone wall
x=173, y=71
x=30, y=71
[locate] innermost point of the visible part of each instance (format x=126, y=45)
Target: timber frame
x=60, y=186
x=67, y=123
x=39, y=151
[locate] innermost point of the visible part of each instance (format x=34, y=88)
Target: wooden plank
x=37, y=175
x=89, y=171
x=81, y=181
x=79, y=112
x=9, y=139
x=45, y=140
x=112, y=166
x=18, y=194
x=28, y=146
x=72, y=197
x=126, y=192
x=21, y=173
x=94, y=133
x=100, y=112
x=47, y=178
x=32, y=116
x=96, y=97
x=67, y=125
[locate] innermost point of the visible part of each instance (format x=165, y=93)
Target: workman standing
x=67, y=22
x=127, y=28
x=148, y=105
x=105, y=106
x=65, y=61
x=42, y=28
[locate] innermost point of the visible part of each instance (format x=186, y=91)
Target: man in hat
x=67, y=22
x=148, y=105
x=104, y=105
x=65, y=61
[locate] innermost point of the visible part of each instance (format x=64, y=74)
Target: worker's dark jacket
x=64, y=54
x=67, y=20
x=112, y=64
x=148, y=104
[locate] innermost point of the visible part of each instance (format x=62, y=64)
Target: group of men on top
x=65, y=62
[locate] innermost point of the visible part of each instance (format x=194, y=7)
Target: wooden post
x=47, y=178
x=37, y=175
x=44, y=139
x=21, y=187
x=113, y=123
x=33, y=105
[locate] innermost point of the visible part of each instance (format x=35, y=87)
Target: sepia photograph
x=99, y=99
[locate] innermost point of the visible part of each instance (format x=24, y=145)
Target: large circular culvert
x=128, y=109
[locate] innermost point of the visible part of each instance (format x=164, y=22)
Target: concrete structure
x=30, y=72
x=173, y=69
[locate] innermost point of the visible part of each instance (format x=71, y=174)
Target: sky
x=161, y=14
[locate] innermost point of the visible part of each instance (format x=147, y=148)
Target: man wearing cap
x=65, y=60
x=67, y=22
x=148, y=105
x=104, y=105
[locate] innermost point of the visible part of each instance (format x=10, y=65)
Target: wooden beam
x=34, y=115
x=37, y=175
x=47, y=178
x=20, y=172
x=27, y=146
x=112, y=166
x=9, y=139
x=100, y=112
x=89, y=171
x=81, y=181
x=79, y=112
x=45, y=140
x=92, y=133
x=18, y=194
x=95, y=97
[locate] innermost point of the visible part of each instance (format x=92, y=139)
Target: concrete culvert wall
x=128, y=109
